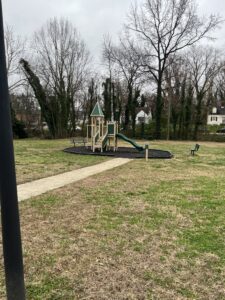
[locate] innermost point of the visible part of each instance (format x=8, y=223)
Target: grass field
x=42, y=158
x=152, y=230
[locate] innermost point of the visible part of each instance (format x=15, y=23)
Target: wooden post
x=92, y=133
x=87, y=134
x=146, y=152
x=98, y=126
x=115, y=133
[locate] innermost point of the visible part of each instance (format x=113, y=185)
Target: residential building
x=217, y=117
x=143, y=116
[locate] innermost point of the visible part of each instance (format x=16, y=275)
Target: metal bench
x=195, y=149
x=76, y=141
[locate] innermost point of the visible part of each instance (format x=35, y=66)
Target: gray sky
x=93, y=18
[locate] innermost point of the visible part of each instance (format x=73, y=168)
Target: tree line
x=161, y=62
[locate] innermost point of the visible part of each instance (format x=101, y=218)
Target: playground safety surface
x=124, y=152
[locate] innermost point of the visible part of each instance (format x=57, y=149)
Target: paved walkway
x=41, y=186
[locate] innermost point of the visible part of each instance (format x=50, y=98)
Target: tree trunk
x=128, y=107
x=198, y=115
x=158, y=109
x=188, y=111
x=73, y=119
x=133, y=124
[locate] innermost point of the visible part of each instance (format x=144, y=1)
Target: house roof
x=142, y=113
x=146, y=110
x=97, y=111
x=221, y=110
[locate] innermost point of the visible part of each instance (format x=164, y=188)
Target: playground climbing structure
x=103, y=135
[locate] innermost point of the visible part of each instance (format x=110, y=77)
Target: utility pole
x=11, y=236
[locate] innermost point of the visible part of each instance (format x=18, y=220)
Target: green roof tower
x=97, y=111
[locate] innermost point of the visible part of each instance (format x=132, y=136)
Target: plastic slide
x=126, y=139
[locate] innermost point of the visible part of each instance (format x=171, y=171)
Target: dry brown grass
x=130, y=233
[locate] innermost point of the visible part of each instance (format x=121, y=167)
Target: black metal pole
x=12, y=248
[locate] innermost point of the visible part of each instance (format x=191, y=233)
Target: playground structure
x=103, y=135
x=102, y=139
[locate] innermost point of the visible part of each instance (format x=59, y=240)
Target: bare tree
x=88, y=99
x=128, y=69
x=220, y=86
x=204, y=65
x=109, y=83
x=15, y=48
x=162, y=28
x=62, y=61
x=175, y=94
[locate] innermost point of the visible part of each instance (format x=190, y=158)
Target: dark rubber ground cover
x=121, y=152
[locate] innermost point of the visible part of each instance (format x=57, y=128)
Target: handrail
x=96, y=137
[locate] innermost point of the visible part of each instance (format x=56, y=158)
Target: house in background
x=217, y=117
x=30, y=119
x=143, y=116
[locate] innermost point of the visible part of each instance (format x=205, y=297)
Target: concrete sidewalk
x=41, y=186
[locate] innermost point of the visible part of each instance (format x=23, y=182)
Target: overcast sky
x=93, y=18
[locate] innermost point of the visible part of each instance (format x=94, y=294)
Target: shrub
x=19, y=129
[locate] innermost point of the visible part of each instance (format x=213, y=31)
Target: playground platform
x=124, y=152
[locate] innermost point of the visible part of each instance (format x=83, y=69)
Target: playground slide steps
x=101, y=142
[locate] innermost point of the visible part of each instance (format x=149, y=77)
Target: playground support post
x=146, y=152
x=11, y=236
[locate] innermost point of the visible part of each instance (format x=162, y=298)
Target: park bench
x=79, y=140
x=195, y=149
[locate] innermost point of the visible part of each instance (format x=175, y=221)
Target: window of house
x=141, y=119
x=214, y=119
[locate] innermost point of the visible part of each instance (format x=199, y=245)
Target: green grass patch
x=50, y=288
x=46, y=203
x=42, y=158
